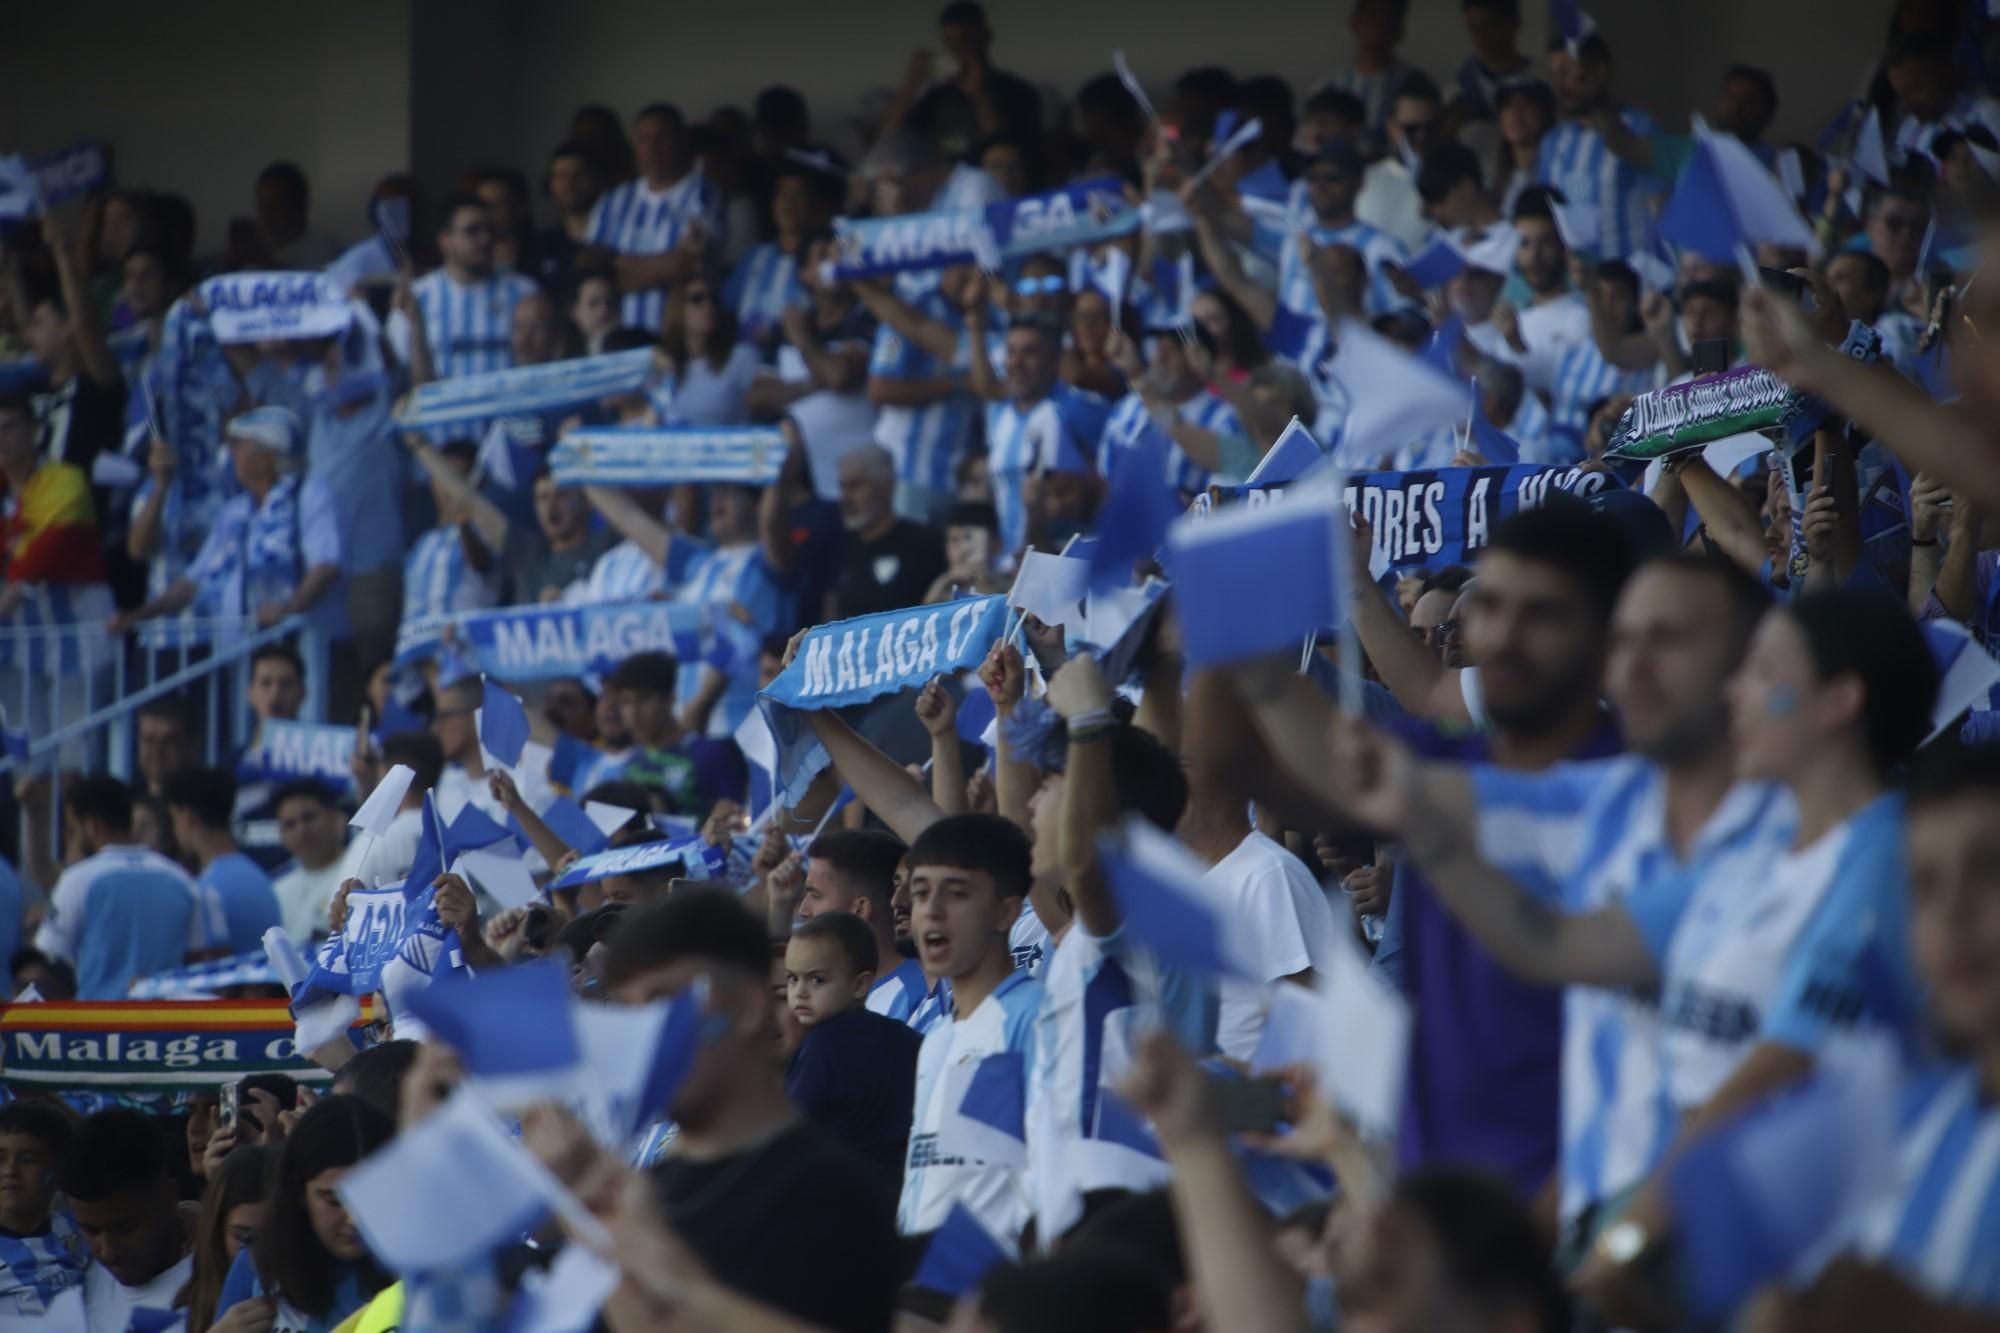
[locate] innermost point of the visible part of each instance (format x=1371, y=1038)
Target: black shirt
x=800, y=1223
x=856, y=1076
x=891, y=572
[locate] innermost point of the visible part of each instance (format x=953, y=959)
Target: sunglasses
x=697, y=298
x=1047, y=285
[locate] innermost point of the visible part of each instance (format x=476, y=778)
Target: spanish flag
x=48, y=532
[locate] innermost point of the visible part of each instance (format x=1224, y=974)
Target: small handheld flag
x=503, y=723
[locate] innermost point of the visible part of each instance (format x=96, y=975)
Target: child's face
x=27, y=1181
x=957, y=918
x=820, y=982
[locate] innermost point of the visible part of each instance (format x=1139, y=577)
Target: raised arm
x=937, y=709
x=879, y=782
x=1726, y=514
x=937, y=339
x=540, y=836
x=1090, y=792
x=774, y=506
x=422, y=367
x=1014, y=781
x=487, y=520
x=631, y=521
x=92, y=351
x=1259, y=302
x=1421, y=682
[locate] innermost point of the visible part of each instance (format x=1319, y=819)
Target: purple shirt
x=1485, y=1076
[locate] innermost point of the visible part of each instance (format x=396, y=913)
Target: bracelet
x=1090, y=734
x=1926, y=541
x=1092, y=719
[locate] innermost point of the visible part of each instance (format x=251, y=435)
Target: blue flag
x=857, y=661
x=1260, y=578
x=1167, y=907
x=961, y=1253
x=566, y=819
x=1139, y=505
x=1294, y=454
x=503, y=724
x=697, y=858
x=1726, y=200
x=1488, y=440
x=506, y=1023
x=471, y=830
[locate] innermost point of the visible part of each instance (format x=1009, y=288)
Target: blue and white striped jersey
x=763, y=283
x=1377, y=91
x=1021, y=440
x=724, y=578
x=439, y=580
x=1099, y=995
x=1576, y=160
x=1586, y=836
x=125, y=913
x=1128, y=421
x=907, y=996
x=470, y=327
x=625, y=573
x=257, y=553
x=1003, y=1022
x=1940, y=1226
x=35, y=1269
x=634, y=219
x=1583, y=378
x=1295, y=285
x=926, y=442
x=1788, y=946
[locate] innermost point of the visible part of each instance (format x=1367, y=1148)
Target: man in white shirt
x=1389, y=201
x=1535, y=335
x=312, y=830
x=116, y=1178
x=386, y=858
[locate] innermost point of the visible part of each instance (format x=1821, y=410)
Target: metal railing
x=75, y=688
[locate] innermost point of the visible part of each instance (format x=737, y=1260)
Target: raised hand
x=1004, y=676
x=937, y=709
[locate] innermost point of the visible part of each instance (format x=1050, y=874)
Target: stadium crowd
x=1596, y=926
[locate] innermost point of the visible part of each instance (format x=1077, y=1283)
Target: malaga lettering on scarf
x=662, y=456
x=1081, y=214
x=527, y=390
x=855, y=661
x=29, y=185
x=304, y=750
x=546, y=642
x=141, y=1047
x=274, y=307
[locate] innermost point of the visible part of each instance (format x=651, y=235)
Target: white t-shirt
x=304, y=897
x=389, y=857
x=1284, y=920
x=1548, y=328
x=108, y=1303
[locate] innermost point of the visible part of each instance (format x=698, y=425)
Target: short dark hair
x=978, y=842
x=626, y=338
x=463, y=452
x=100, y=797
x=47, y=1123
x=1618, y=271
x=780, y=105
x=307, y=789
x=962, y=13
x=1452, y=578
x=1339, y=104
x=1872, y=637
x=456, y=202
x=573, y=148
x=1147, y=776
x=708, y=924
x=337, y=1131
x=168, y=708
x=19, y=402
x=375, y=1074
x=1767, y=87
x=1584, y=545
x=1443, y=167
x=61, y=976
x=114, y=1152
x=1488, y=1242
x=1948, y=773
x=279, y=652
x=1710, y=289
x=973, y=514
x=1418, y=86
x=1139, y=1226
x=1592, y=48
x=661, y=111
x=867, y=858
x=649, y=673
x=1537, y=201
x=492, y=173
x=1875, y=272
x=1747, y=597
x=421, y=752
x=289, y=177
x=209, y=794
x=1090, y=1291
x=848, y=931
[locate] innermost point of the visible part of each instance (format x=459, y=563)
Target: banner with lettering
x=275, y=307
x=301, y=750
x=30, y=184
x=526, y=390
x=552, y=642
x=668, y=455
x=695, y=858
x=1429, y=519
x=854, y=661
x=137, y=1047
x=1082, y=214
x=1686, y=416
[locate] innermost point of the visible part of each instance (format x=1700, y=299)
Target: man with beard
x=1485, y=1048
x=891, y=561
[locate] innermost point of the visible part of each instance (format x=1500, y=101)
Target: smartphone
x=1780, y=281
x=1248, y=1105
x=227, y=1104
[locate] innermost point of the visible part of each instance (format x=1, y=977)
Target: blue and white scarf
x=263, y=307
x=528, y=389
x=34, y=1270
x=663, y=456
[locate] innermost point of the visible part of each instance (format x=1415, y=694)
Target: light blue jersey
x=1295, y=284
x=469, y=326
x=725, y=579
x=634, y=219
x=625, y=573
x=1128, y=421
x=932, y=1183
x=255, y=554
x=1940, y=1226
x=125, y=913
x=240, y=906
x=907, y=996
x=1585, y=836
x=764, y=282
x=1576, y=160
x=1793, y=946
x=1583, y=377
x=926, y=442
x=439, y=580
x=1024, y=440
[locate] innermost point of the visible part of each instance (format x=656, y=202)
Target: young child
x=855, y=1072
x=41, y=1253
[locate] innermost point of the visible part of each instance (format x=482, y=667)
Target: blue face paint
x=1781, y=701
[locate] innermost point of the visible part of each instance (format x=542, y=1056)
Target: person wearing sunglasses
x=712, y=370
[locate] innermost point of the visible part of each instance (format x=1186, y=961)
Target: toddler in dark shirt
x=855, y=1073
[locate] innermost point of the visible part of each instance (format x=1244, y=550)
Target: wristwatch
x=1622, y=1242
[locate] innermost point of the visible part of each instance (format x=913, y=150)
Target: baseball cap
x=276, y=428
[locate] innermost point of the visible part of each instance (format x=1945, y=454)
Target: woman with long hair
x=308, y=1257
x=232, y=1212
x=712, y=371
x=1227, y=332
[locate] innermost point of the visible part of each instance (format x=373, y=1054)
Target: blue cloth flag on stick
x=1291, y=457
x=1139, y=505
x=961, y=1253
x=1727, y=199
x=1261, y=578
x=1167, y=905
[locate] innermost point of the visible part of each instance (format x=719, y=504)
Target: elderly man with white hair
x=275, y=548
x=891, y=561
